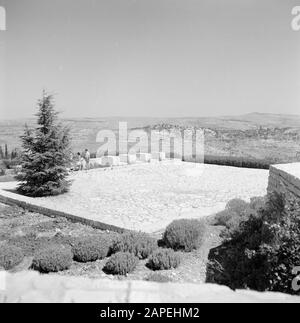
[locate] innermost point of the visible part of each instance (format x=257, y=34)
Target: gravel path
x=149, y=196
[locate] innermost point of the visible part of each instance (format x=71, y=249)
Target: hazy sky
x=150, y=57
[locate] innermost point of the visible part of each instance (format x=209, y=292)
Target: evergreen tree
x=45, y=154
x=6, y=152
x=1, y=153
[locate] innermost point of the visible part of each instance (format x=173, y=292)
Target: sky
x=150, y=58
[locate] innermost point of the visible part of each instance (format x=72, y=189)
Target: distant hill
x=238, y=135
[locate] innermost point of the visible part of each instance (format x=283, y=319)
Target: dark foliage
x=45, y=154
x=263, y=251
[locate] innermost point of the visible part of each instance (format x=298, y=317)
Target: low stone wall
x=30, y=287
x=285, y=179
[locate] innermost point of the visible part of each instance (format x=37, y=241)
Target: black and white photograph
x=149, y=154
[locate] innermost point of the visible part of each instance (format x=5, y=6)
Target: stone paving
x=30, y=287
x=149, y=196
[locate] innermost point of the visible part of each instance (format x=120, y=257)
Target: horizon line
x=160, y=117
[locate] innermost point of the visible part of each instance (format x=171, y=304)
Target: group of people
x=82, y=160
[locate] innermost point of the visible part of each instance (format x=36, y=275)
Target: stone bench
x=110, y=161
x=128, y=158
x=159, y=156
x=95, y=162
x=144, y=157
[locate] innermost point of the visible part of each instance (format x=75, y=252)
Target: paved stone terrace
x=149, y=196
x=30, y=287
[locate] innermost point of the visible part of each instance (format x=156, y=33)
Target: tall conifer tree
x=45, y=155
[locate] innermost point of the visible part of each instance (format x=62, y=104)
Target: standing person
x=80, y=162
x=87, y=157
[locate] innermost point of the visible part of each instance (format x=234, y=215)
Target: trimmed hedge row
x=236, y=161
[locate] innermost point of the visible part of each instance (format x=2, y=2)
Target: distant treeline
x=6, y=154
x=8, y=159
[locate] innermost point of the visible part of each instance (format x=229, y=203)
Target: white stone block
x=144, y=157
x=95, y=162
x=159, y=155
x=110, y=161
x=128, y=158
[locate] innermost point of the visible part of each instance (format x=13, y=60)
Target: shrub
x=164, y=259
x=235, y=212
x=185, y=234
x=138, y=243
x=121, y=263
x=158, y=277
x=223, y=217
x=31, y=242
x=263, y=251
x=237, y=205
x=10, y=256
x=90, y=248
x=52, y=258
x=257, y=202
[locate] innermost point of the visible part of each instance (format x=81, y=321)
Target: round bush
x=52, y=258
x=236, y=211
x=138, y=243
x=225, y=216
x=185, y=234
x=90, y=248
x=158, y=277
x=10, y=256
x=121, y=263
x=164, y=259
x=257, y=202
x=237, y=205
